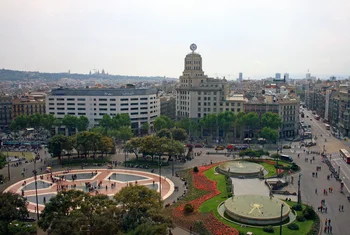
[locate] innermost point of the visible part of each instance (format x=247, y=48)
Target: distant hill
x=14, y=75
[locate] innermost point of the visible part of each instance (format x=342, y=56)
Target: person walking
x=315, y=190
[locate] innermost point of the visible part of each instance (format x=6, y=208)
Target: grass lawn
x=212, y=204
x=270, y=168
x=27, y=155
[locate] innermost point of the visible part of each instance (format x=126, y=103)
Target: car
x=286, y=146
x=198, y=145
x=189, y=145
x=307, y=116
x=220, y=147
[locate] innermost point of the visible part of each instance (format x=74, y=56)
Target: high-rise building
x=197, y=95
x=278, y=76
x=286, y=76
x=240, y=78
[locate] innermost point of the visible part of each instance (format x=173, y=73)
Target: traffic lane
x=333, y=200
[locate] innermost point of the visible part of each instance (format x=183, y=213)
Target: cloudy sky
x=138, y=37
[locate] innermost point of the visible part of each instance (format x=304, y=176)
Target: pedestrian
x=329, y=221
x=325, y=222
x=325, y=229
x=339, y=207
x=342, y=208
x=106, y=187
x=330, y=229
x=316, y=174
x=44, y=200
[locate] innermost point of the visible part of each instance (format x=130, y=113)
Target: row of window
x=101, y=109
x=102, y=104
x=101, y=114
x=100, y=99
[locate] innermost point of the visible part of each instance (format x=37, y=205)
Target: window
x=143, y=103
x=102, y=99
x=52, y=113
x=238, y=110
x=70, y=104
x=199, y=109
x=103, y=109
x=199, y=115
x=199, y=98
x=71, y=113
x=81, y=99
x=208, y=98
x=60, y=99
x=60, y=113
x=101, y=114
x=81, y=108
x=103, y=104
x=81, y=104
x=205, y=109
x=111, y=104
x=134, y=99
x=134, y=103
x=144, y=108
x=70, y=108
x=143, y=113
x=205, y=98
x=134, y=109
x=52, y=108
x=214, y=109
x=51, y=99
x=134, y=113
x=60, y=104
x=126, y=104
x=124, y=109
x=145, y=98
x=51, y=104
x=124, y=99
x=82, y=114
x=112, y=100
x=70, y=99
x=112, y=109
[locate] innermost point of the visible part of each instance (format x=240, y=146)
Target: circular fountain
x=256, y=209
x=241, y=169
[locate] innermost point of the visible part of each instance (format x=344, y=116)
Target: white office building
x=142, y=105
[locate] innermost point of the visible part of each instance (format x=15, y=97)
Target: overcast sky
x=139, y=37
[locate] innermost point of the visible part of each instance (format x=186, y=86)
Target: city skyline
x=152, y=39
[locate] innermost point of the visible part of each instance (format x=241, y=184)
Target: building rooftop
x=103, y=92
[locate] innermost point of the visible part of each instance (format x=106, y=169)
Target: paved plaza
x=94, y=181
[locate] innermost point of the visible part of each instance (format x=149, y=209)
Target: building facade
x=28, y=105
x=168, y=106
x=5, y=110
x=142, y=105
x=197, y=95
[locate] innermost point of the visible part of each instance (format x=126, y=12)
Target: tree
x=164, y=133
x=269, y=134
x=133, y=145
x=271, y=120
x=125, y=133
x=3, y=160
x=140, y=205
x=71, y=123
x=178, y=134
x=192, y=127
x=226, y=121
x=82, y=123
x=106, y=122
x=209, y=122
x=145, y=127
x=162, y=122
x=57, y=144
x=107, y=145
x=12, y=207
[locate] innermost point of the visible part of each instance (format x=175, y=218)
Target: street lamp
x=282, y=205
x=299, y=192
x=160, y=182
x=8, y=165
x=36, y=192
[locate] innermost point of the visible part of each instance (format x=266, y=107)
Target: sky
x=151, y=38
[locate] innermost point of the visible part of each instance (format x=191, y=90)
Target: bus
x=345, y=155
x=328, y=127
x=317, y=117
x=307, y=135
x=286, y=158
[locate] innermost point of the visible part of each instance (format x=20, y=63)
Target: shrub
x=188, y=208
x=293, y=226
x=297, y=207
x=309, y=213
x=195, y=169
x=269, y=229
x=295, y=167
x=275, y=155
x=300, y=218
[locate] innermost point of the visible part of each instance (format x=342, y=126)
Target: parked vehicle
x=286, y=146
x=198, y=145
x=220, y=147
x=286, y=158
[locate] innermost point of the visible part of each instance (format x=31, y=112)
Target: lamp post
x=282, y=205
x=160, y=182
x=8, y=165
x=36, y=192
x=299, y=192
x=172, y=145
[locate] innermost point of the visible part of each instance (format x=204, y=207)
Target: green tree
x=269, y=134
x=178, y=134
x=225, y=121
x=125, y=133
x=164, y=133
x=209, y=122
x=71, y=123
x=239, y=124
x=192, y=127
x=3, y=160
x=57, y=144
x=48, y=121
x=82, y=123
x=163, y=122
x=145, y=128
x=140, y=205
x=271, y=120
x=251, y=121
x=106, y=122
x=12, y=207
x=134, y=145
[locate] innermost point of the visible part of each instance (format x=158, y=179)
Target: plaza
x=93, y=181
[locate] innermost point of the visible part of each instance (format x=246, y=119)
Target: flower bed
x=201, y=182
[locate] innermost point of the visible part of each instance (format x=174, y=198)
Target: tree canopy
x=163, y=122
x=76, y=212
x=269, y=134
x=271, y=120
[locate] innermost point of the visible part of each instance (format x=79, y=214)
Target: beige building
x=198, y=95
x=28, y=104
